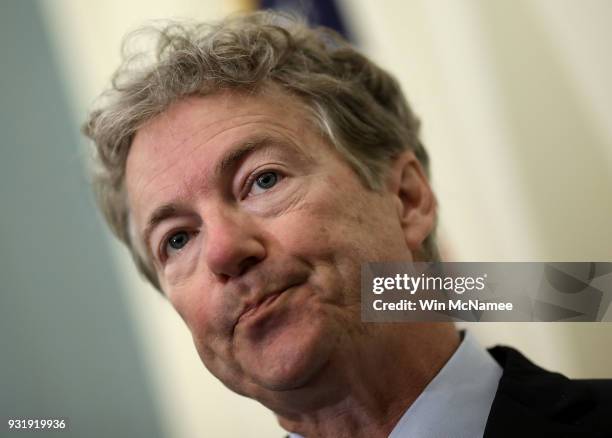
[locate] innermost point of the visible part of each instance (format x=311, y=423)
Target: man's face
x=258, y=229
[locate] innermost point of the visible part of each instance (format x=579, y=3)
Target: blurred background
x=515, y=97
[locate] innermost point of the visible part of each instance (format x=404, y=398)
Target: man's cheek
x=195, y=312
x=310, y=227
x=209, y=320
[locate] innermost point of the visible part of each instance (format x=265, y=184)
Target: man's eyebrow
x=158, y=215
x=237, y=154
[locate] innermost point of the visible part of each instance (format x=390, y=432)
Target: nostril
x=248, y=263
x=222, y=278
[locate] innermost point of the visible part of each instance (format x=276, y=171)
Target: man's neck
x=389, y=368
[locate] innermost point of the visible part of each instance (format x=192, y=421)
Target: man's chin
x=289, y=361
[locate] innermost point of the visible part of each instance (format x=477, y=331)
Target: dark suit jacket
x=532, y=402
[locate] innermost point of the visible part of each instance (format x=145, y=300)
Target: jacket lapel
x=531, y=401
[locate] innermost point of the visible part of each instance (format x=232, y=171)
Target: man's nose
x=233, y=245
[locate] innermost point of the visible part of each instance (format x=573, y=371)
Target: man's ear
x=415, y=201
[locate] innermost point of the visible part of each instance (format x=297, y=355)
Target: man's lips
x=252, y=309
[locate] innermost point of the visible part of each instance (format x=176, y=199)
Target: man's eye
x=265, y=181
x=177, y=241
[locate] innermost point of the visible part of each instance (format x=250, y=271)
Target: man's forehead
x=195, y=114
x=204, y=117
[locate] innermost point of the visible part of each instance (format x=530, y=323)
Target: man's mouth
x=251, y=311
x=261, y=307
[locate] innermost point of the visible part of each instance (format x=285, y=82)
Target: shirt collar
x=458, y=400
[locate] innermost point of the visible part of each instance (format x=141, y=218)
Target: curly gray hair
x=358, y=106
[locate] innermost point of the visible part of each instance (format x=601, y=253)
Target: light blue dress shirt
x=456, y=403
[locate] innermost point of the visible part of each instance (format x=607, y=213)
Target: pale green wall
x=67, y=348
